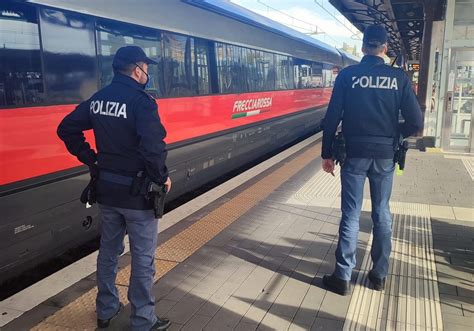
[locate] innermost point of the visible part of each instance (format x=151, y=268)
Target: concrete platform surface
x=254, y=258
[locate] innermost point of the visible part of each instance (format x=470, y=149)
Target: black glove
x=89, y=195
x=94, y=171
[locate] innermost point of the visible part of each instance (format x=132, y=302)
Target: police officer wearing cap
x=367, y=98
x=129, y=139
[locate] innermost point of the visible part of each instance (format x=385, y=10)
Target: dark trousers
x=142, y=229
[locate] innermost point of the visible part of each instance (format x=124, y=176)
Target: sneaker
x=377, y=283
x=161, y=324
x=102, y=324
x=336, y=285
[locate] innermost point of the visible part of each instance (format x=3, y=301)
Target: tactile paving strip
x=76, y=316
x=320, y=185
x=410, y=300
x=467, y=161
x=80, y=314
x=469, y=164
x=161, y=266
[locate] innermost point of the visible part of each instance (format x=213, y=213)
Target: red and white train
x=231, y=86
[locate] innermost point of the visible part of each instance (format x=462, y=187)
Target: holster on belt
x=153, y=192
x=339, y=149
x=156, y=195
x=401, y=154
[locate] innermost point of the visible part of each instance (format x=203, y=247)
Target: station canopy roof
x=403, y=19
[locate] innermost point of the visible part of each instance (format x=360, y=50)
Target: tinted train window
x=112, y=35
x=292, y=81
x=249, y=62
x=329, y=74
x=335, y=72
x=179, y=65
x=21, y=79
x=317, y=75
x=302, y=70
x=229, y=69
x=308, y=74
x=284, y=80
x=265, y=77
x=260, y=68
x=201, y=48
x=69, y=56
x=268, y=68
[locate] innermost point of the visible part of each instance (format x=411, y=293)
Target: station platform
x=250, y=255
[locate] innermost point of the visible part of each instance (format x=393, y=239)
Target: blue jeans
x=353, y=174
x=142, y=229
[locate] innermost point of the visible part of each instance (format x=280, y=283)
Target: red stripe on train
x=30, y=146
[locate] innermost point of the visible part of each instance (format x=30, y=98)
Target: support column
x=429, y=11
x=445, y=69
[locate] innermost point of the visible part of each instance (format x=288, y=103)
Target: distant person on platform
x=130, y=141
x=367, y=98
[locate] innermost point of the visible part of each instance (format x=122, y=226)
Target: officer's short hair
x=373, y=50
x=128, y=68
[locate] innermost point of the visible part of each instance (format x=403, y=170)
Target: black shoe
x=336, y=285
x=161, y=324
x=377, y=283
x=102, y=324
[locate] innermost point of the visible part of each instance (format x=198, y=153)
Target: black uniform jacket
x=368, y=98
x=128, y=135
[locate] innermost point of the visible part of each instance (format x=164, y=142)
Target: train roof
x=218, y=20
x=349, y=58
x=247, y=16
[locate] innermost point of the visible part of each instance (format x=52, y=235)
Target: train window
x=335, y=72
x=283, y=79
x=262, y=71
x=327, y=73
x=268, y=66
x=249, y=60
x=308, y=74
x=229, y=69
x=179, y=69
x=244, y=62
x=214, y=77
x=112, y=35
x=69, y=56
x=21, y=79
x=201, y=48
x=316, y=75
x=243, y=70
x=291, y=81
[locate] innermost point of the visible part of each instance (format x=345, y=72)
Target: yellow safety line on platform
x=80, y=313
x=434, y=150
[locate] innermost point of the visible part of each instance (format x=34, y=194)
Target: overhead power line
x=311, y=28
x=349, y=27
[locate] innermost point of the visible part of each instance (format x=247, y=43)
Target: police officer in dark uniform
x=367, y=98
x=129, y=139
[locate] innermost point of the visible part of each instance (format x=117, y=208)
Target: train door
x=459, y=116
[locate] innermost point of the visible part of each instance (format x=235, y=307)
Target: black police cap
x=130, y=54
x=375, y=35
